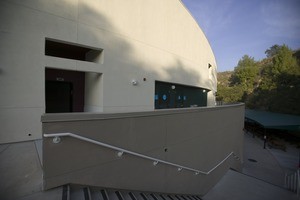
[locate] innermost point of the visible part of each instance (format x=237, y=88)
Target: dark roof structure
x=270, y=120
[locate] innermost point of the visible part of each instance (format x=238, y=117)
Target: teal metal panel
x=274, y=120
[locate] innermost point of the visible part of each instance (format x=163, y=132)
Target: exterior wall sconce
x=56, y=140
x=209, y=65
x=120, y=154
x=173, y=87
x=134, y=82
x=203, y=91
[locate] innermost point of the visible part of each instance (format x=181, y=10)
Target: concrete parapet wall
x=198, y=138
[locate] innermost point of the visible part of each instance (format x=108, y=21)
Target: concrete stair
x=76, y=192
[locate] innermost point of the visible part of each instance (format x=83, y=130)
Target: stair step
x=154, y=196
x=75, y=192
x=129, y=196
x=81, y=194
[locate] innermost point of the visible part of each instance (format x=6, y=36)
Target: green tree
x=270, y=84
x=273, y=50
x=280, y=79
x=277, y=72
x=246, y=74
x=284, y=62
x=229, y=94
x=241, y=83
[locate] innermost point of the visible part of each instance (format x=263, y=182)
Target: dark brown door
x=58, y=97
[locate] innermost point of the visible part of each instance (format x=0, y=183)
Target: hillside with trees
x=271, y=84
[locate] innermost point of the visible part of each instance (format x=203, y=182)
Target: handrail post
x=285, y=180
x=298, y=182
x=294, y=181
x=288, y=177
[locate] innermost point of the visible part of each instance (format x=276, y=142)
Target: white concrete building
x=98, y=56
x=85, y=89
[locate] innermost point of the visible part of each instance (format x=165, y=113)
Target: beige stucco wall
x=152, y=39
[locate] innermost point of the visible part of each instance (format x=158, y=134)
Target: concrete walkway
x=288, y=160
x=21, y=172
x=266, y=167
x=262, y=177
x=237, y=186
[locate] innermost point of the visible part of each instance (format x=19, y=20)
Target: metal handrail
x=121, y=151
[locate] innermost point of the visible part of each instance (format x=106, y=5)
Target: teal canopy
x=271, y=120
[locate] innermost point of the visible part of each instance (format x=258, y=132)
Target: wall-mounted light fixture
x=209, y=65
x=134, y=82
x=120, y=154
x=173, y=87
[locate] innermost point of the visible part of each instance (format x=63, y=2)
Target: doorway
x=64, y=90
x=59, y=97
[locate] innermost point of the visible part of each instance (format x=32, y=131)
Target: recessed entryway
x=64, y=91
x=59, y=97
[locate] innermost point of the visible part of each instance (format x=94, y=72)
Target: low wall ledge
x=87, y=116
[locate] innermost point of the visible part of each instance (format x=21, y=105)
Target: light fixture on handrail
x=120, y=154
x=236, y=157
x=155, y=163
x=56, y=140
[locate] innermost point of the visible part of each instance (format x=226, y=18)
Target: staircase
x=76, y=192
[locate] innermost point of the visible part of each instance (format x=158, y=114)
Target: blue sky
x=246, y=27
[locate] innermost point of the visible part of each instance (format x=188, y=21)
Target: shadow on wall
x=123, y=55
x=126, y=59
x=179, y=73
